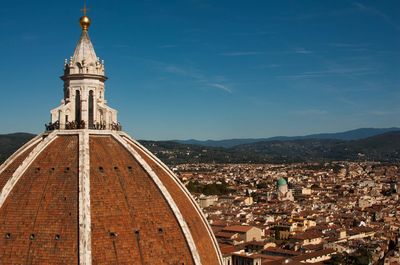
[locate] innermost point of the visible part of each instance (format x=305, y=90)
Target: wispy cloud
x=198, y=76
x=168, y=46
x=332, y=72
x=351, y=47
x=298, y=50
x=179, y=71
x=264, y=66
x=378, y=13
x=244, y=53
x=254, y=33
x=311, y=112
x=222, y=87
x=188, y=72
x=302, y=51
x=273, y=65
x=378, y=112
x=347, y=101
x=312, y=16
x=348, y=45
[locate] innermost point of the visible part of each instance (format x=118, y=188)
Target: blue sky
x=210, y=69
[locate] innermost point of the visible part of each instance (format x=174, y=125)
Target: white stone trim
x=85, y=241
x=24, y=166
x=89, y=131
x=22, y=149
x=78, y=131
x=183, y=188
x=167, y=196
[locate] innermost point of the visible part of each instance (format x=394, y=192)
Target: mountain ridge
x=382, y=147
x=9, y=143
x=356, y=134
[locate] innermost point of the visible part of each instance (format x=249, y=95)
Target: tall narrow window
x=91, y=110
x=78, y=116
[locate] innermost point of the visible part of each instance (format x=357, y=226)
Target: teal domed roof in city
x=281, y=182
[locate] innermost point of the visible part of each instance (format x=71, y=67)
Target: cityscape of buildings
x=301, y=213
x=84, y=192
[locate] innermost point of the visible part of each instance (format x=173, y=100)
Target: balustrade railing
x=74, y=125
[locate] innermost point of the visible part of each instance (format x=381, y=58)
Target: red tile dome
x=97, y=197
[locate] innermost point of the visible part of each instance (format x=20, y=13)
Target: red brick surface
x=44, y=204
x=7, y=173
x=196, y=225
x=124, y=200
x=132, y=222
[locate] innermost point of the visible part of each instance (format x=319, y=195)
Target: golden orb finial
x=84, y=20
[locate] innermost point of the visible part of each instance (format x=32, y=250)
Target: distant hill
x=383, y=147
x=175, y=153
x=9, y=143
x=356, y=134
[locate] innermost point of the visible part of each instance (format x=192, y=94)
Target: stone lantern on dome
x=84, y=104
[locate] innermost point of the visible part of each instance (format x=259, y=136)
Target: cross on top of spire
x=84, y=9
x=85, y=20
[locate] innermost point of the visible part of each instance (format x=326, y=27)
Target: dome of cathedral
x=85, y=192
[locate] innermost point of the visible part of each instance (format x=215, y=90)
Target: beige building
x=246, y=233
x=309, y=238
x=206, y=201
